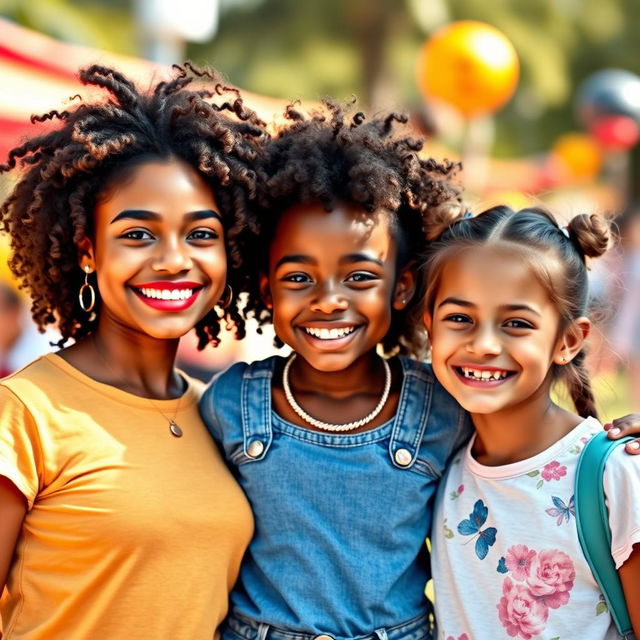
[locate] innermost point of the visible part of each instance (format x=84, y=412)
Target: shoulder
x=231, y=379
x=622, y=469
x=621, y=482
x=35, y=382
x=441, y=404
x=444, y=424
x=417, y=368
x=222, y=397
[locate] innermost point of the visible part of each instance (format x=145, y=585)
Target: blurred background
x=539, y=98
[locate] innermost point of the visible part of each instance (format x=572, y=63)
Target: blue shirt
x=340, y=520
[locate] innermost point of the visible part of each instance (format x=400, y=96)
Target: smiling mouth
x=165, y=294
x=484, y=375
x=335, y=333
x=168, y=298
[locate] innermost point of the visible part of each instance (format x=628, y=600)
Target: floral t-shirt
x=507, y=562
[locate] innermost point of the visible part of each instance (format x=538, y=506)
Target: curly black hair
x=334, y=154
x=49, y=211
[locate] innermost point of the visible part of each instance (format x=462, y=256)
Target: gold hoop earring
x=225, y=302
x=84, y=288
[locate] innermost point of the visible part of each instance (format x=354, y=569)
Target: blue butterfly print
x=562, y=510
x=502, y=565
x=471, y=527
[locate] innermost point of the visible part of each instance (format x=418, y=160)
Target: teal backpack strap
x=592, y=521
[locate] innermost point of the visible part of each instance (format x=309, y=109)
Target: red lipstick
x=168, y=295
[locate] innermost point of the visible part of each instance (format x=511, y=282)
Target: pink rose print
x=464, y=636
x=520, y=613
x=553, y=471
x=518, y=561
x=551, y=577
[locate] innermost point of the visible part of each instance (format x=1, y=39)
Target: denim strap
x=411, y=417
x=256, y=407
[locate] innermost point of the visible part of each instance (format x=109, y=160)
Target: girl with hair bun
x=506, y=307
x=119, y=518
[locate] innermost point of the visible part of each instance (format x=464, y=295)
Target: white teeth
x=484, y=375
x=329, y=334
x=166, y=294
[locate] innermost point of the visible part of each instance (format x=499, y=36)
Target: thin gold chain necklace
x=174, y=427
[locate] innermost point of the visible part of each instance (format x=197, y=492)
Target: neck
x=520, y=432
x=133, y=362
x=361, y=376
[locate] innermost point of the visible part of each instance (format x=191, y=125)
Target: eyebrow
x=299, y=257
x=142, y=214
x=506, y=307
x=361, y=257
x=352, y=257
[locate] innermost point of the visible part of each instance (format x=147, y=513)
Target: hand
x=627, y=426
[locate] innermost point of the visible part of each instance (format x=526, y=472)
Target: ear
x=571, y=341
x=265, y=291
x=405, y=287
x=86, y=255
x=428, y=321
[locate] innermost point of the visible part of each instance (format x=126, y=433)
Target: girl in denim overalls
x=338, y=450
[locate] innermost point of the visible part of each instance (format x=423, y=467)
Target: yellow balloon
x=577, y=156
x=470, y=65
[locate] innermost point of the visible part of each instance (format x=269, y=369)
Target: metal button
x=323, y=636
x=403, y=457
x=255, y=449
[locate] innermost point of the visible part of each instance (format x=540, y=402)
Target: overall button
x=403, y=457
x=323, y=636
x=255, y=449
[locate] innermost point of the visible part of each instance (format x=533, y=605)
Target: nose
x=484, y=341
x=329, y=298
x=172, y=256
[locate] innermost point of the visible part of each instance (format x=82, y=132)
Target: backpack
x=592, y=521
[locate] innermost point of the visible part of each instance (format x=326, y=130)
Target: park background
x=536, y=148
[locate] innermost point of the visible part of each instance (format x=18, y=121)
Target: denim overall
x=341, y=519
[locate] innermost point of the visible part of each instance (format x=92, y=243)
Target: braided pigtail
x=578, y=384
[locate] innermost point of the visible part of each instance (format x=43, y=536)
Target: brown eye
x=297, y=278
x=457, y=318
x=203, y=234
x=137, y=234
x=518, y=324
x=361, y=276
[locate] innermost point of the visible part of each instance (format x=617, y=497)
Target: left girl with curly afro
x=119, y=518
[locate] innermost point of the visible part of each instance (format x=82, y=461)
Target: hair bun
x=439, y=218
x=592, y=233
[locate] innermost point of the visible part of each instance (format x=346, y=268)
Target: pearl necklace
x=327, y=426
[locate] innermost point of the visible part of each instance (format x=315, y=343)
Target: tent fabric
x=39, y=73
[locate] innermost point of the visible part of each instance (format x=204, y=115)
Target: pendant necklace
x=174, y=427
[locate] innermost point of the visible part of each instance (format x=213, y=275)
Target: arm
x=629, y=574
x=627, y=426
x=13, y=507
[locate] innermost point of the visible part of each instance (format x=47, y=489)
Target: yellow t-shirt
x=130, y=532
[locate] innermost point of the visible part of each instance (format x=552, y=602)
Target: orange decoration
x=576, y=157
x=470, y=65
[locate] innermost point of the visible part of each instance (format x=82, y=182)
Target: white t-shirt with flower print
x=506, y=558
